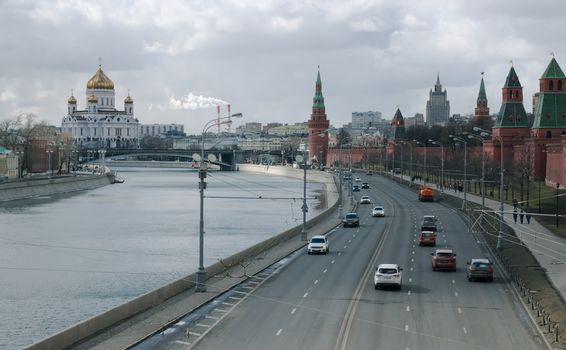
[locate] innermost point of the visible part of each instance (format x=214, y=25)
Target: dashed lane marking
x=349, y=241
x=408, y=308
x=410, y=280
x=332, y=262
x=279, y=332
x=339, y=253
x=203, y=325
x=306, y=294
x=235, y=298
x=459, y=310
x=409, y=293
x=465, y=330
x=455, y=294
x=316, y=282
x=453, y=281
x=228, y=304
x=221, y=310
x=406, y=328
x=345, y=246
x=293, y=311
x=195, y=333
x=412, y=260
x=212, y=317
x=411, y=269
x=324, y=270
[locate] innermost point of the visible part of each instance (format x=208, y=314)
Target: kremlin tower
x=318, y=126
x=481, y=113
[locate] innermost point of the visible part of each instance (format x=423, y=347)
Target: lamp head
x=237, y=115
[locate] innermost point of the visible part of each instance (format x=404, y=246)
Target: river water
x=66, y=258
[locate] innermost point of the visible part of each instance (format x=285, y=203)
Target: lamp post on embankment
x=201, y=272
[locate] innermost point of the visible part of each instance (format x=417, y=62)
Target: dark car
x=429, y=223
x=365, y=186
x=356, y=188
x=480, y=269
x=351, y=220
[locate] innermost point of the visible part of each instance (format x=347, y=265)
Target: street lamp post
x=441, y=163
x=201, y=272
x=500, y=234
x=477, y=137
x=424, y=167
x=455, y=138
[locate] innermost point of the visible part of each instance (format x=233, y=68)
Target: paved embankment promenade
x=37, y=187
x=128, y=323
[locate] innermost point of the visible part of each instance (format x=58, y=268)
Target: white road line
x=339, y=253
x=332, y=262
x=247, y=287
x=253, y=282
x=413, y=246
x=408, y=308
x=279, y=332
x=453, y=281
x=455, y=294
x=345, y=246
x=195, y=333
x=412, y=260
x=203, y=325
x=306, y=294
x=182, y=342
x=212, y=317
x=316, y=282
x=293, y=311
x=221, y=310
x=239, y=291
x=225, y=303
x=324, y=270
x=235, y=298
x=411, y=269
x=409, y=293
x=465, y=330
x=349, y=241
x=413, y=252
x=410, y=280
x=406, y=327
x=459, y=310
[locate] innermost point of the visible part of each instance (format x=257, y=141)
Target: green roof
x=398, y=131
x=512, y=115
x=550, y=111
x=482, y=95
x=318, y=100
x=553, y=70
x=512, y=79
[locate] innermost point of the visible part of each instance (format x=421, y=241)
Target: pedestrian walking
x=528, y=217
x=515, y=215
x=521, y=214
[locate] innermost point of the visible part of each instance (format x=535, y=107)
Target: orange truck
x=426, y=194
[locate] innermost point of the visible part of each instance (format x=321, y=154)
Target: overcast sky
x=179, y=58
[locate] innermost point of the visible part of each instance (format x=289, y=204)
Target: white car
x=378, y=211
x=365, y=200
x=387, y=275
x=318, y=244
x=358, y=179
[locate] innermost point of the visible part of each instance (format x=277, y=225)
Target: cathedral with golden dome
x=101, y=125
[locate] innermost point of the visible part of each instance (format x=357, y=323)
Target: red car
x=443, y=259
x=427, y=238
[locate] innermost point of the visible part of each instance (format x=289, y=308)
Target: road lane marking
x=453, y=281
x=339, y=253
x=228, y=304
x=195, y=333
x=459, y=310
x=279, y=332
x=306, y=294
x=345, y=246
x=293, y=311
x=235, y=298
x=409, y=293
x=455, y=294
x=411, y=269
x=413, y=252
x=247, y=287
x=354, y=235
x=349, y=241
x=406, y=327
x=203, y=325
x=410, y=280
x=408, y=308
x=412, y=260
x=465, y=330
x=316, y=282
x=324, y=270
x=212, y=317
x=332, y=262
x=182, y=342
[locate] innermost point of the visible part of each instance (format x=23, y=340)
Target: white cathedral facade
x=101, y=125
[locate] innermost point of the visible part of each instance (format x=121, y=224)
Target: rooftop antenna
x=229, y=125
x=100, y=62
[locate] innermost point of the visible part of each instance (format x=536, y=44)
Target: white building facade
x=101, y=125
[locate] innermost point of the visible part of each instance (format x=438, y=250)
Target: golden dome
x=128, y=99
x=92, y=98
x=100, y=81
x=72, y=100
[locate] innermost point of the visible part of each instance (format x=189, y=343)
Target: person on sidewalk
x=528, y=217
x=521, y=214
x=515, y=215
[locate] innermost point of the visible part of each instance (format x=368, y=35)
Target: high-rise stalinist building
x=318, y=126
x=437, y=106
x=101, y=125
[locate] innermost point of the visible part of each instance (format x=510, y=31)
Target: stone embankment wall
x=151, y=164
x=28, y=188
x=87, y=328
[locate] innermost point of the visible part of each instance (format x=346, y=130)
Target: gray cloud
x=262, y=55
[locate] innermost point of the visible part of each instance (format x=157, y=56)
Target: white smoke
x=193, y=102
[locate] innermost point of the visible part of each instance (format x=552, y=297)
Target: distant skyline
x=180, y=58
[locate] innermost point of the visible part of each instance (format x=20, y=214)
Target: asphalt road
x=329, y=301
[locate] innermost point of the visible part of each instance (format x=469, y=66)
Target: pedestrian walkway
x=547, y=248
